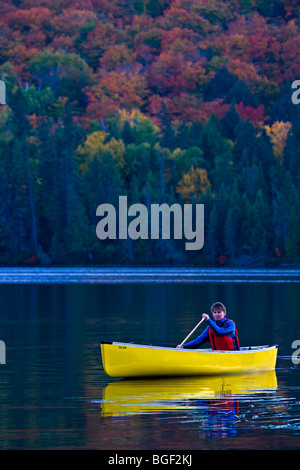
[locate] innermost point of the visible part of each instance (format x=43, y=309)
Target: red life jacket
x=223, y=342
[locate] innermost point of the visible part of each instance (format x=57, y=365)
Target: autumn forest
x=164, y=101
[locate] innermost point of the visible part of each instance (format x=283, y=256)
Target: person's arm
x=198, y=341
x=227, y=329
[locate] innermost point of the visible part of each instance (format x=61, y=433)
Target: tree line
x=53, y=177
x=162, y=101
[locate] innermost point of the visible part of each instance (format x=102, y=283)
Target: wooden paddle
x=190, y=334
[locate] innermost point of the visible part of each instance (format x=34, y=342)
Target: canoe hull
x=135, y=360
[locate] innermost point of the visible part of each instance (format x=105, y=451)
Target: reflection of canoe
x=136, y=360
x=137, y=396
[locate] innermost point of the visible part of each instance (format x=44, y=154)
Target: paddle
x=190, y=334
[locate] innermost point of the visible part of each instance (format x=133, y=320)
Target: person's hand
x=205, y=316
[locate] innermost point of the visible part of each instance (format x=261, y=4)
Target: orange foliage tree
x=193, y=183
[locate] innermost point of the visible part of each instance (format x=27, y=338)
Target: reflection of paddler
x=222, y=417
x=125, y=397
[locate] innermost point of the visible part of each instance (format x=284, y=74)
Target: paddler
x=221, y=332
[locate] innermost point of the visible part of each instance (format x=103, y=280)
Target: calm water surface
x=55, y=394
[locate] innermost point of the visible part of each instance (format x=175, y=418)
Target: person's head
x=218, y=310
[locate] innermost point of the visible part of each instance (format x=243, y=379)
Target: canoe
x=147, y=396
x=125, y=360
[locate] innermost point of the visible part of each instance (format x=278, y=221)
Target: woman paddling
x=221, y=333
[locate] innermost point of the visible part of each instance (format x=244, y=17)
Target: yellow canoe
x=144, y=396
x=138, y=360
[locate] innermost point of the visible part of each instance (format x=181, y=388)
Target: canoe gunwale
x=242, y=350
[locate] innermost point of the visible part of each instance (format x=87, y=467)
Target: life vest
x=223, y=342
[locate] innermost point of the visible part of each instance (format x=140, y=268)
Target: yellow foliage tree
x=278, y=133
x=95, y=146
x=144, y=128
x=195, y=182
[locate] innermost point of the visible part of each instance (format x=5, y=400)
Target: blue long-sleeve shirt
x=228, y=329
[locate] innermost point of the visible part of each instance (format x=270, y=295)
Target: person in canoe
x=221, y=333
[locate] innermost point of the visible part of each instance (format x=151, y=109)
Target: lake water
x=55, y=394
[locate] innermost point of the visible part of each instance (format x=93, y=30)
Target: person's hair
x=218, y=305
